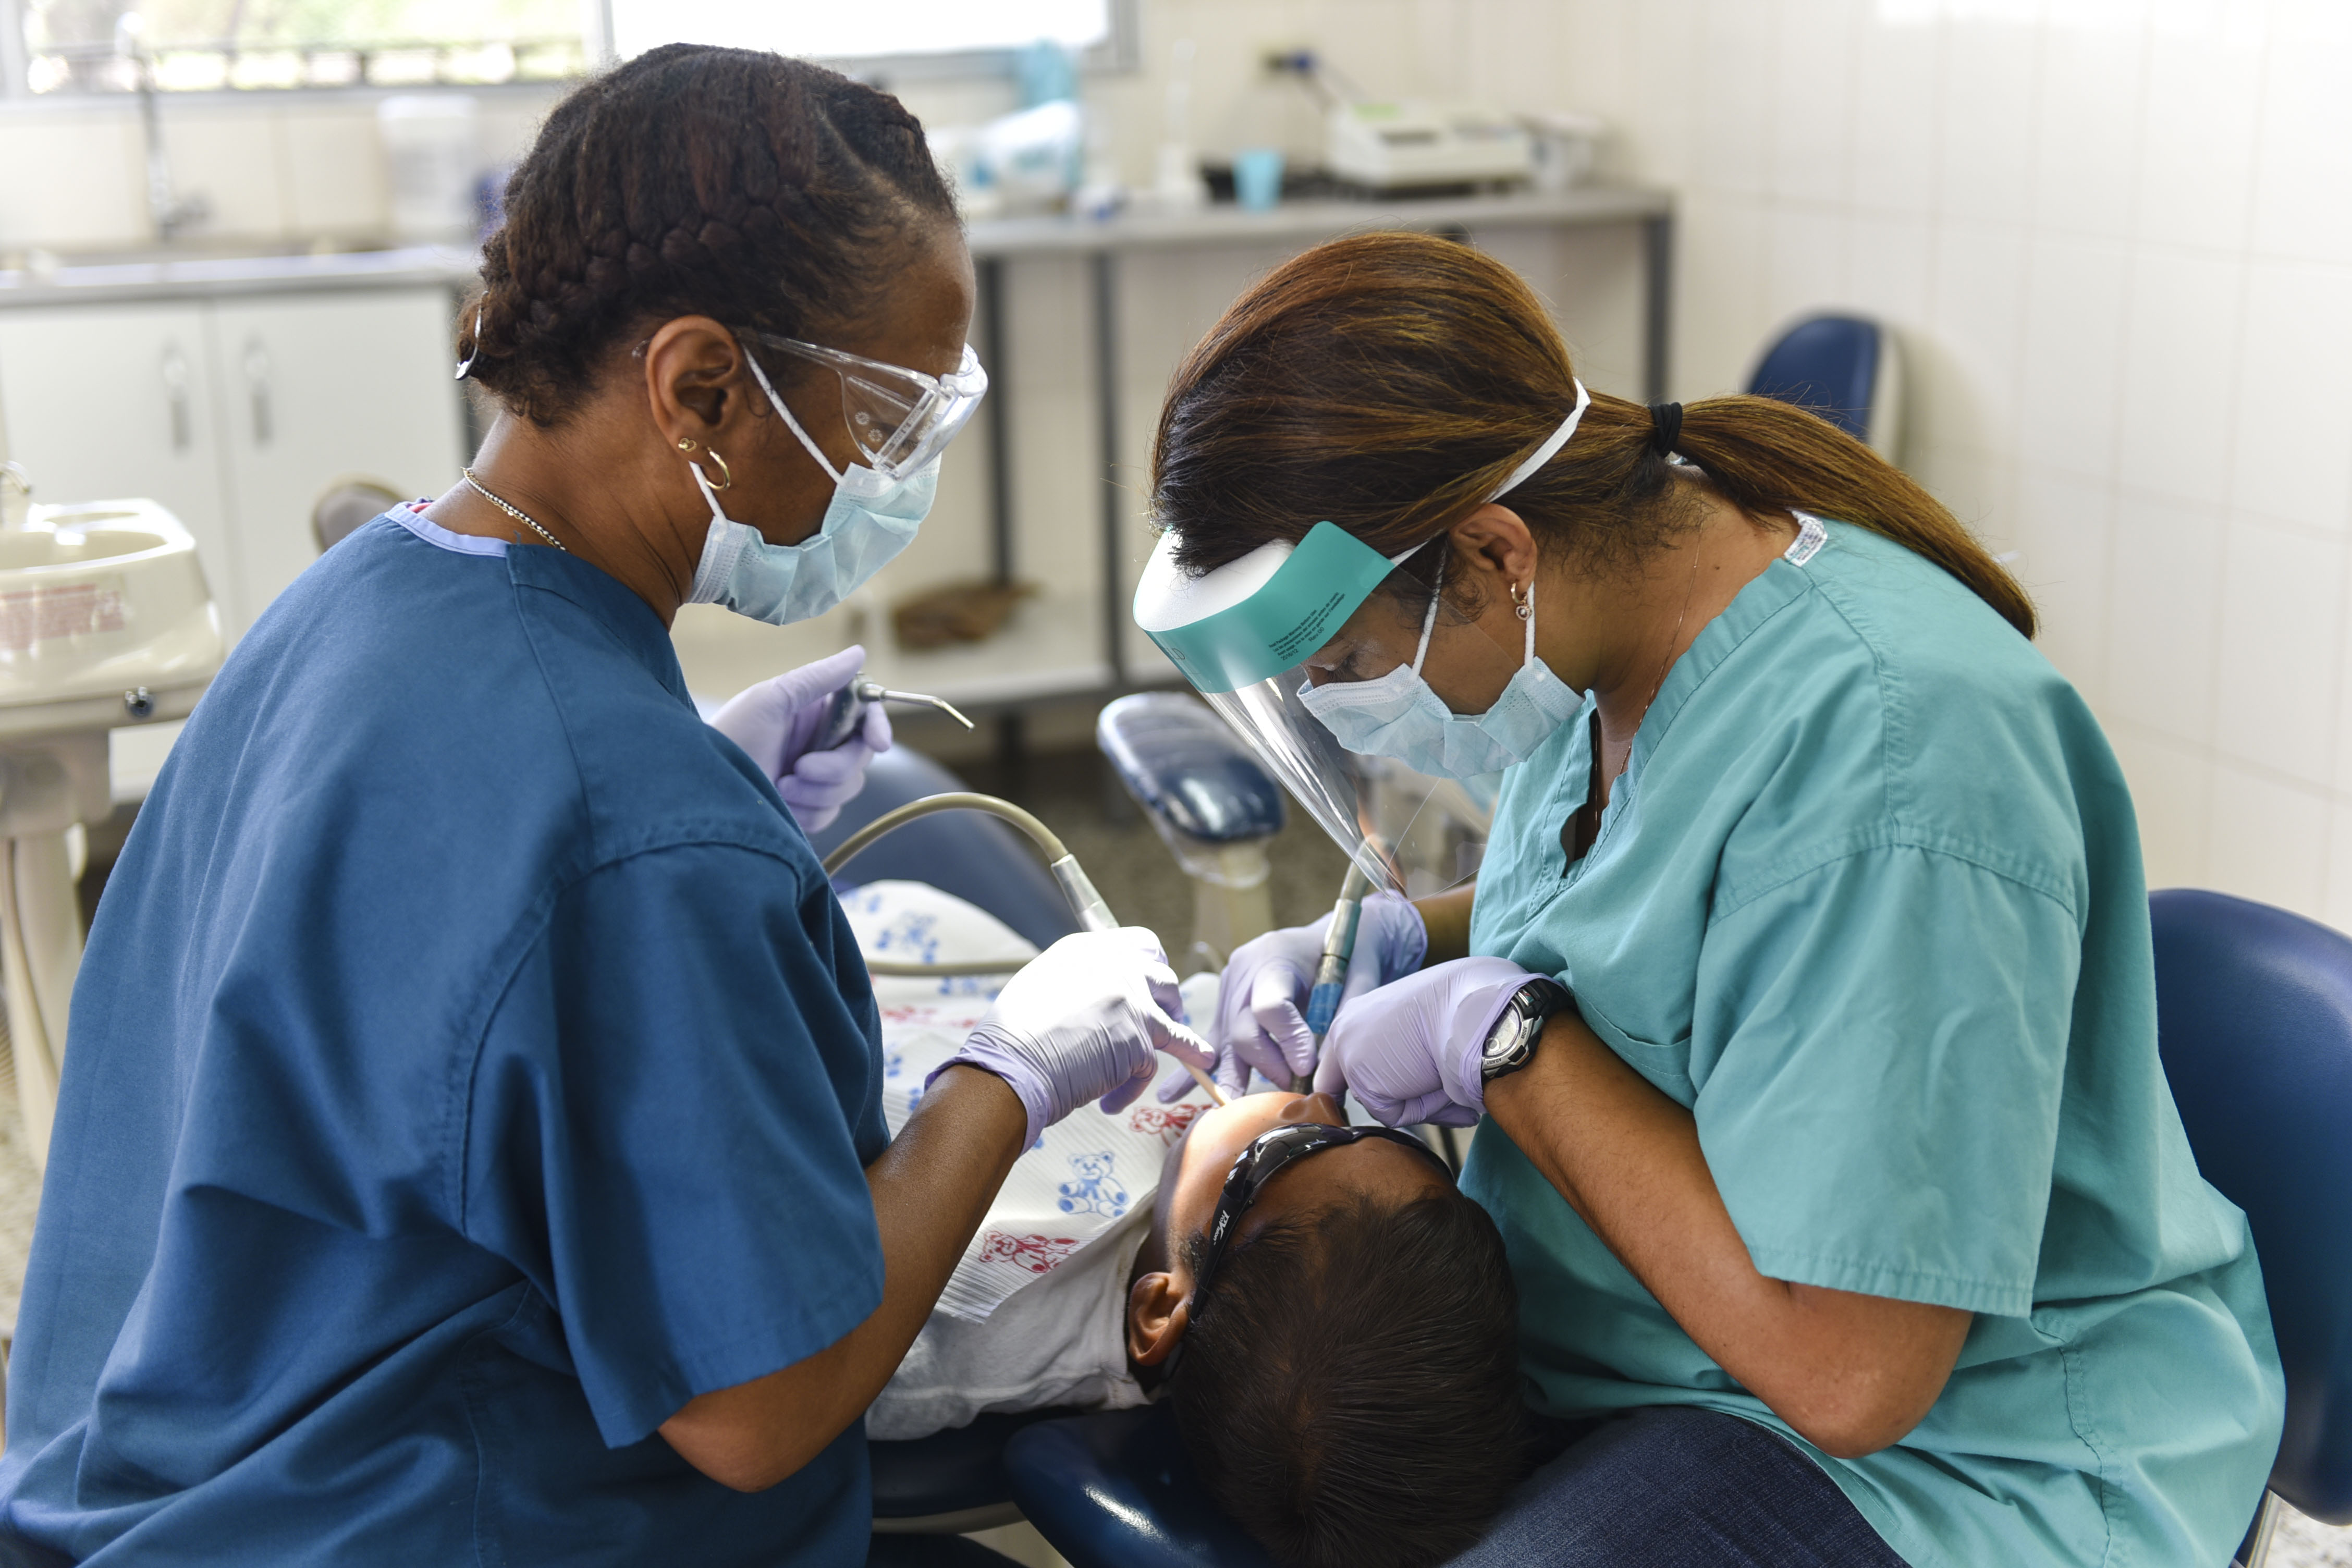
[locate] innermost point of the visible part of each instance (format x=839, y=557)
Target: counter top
x=167, y=276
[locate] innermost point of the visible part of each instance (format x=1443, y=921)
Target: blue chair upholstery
x=1841, y=367
x=976, y=857
x=1116, y=1491
x=2254, y=1020
x=1187, y=767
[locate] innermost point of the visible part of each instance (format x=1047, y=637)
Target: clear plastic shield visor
x=1255, y=635
x=1405, y=830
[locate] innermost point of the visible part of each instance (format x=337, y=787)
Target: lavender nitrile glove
x=775, y=720
x=1261, y=1022
x=1080, y=1023
x=1410, y=1051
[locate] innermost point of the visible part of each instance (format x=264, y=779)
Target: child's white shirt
x=1034, y=1317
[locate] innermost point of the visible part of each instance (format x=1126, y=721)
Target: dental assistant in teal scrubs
x=1804, y=1001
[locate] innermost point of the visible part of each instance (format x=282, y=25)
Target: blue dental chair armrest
x=1185, y=767
x=1116, y=1491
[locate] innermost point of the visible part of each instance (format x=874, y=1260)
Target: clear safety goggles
x=899, y=418
x=1251, y=636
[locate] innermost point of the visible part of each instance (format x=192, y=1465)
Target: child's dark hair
x=761, y=190
x=1349, y=1390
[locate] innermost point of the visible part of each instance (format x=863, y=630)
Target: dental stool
x=2254, y=1021
x=1843, y=368
x=1212, y=804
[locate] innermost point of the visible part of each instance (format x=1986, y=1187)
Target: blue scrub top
x=469, y=1067
x=1868, y=901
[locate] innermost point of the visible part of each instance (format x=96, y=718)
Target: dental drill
x=1339, y=950
x=847, y=711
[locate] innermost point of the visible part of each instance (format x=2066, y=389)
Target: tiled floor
x=1132, y=867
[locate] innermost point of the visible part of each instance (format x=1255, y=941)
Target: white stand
x=40, y=949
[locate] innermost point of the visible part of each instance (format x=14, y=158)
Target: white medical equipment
x=105, y=622
x=1408, y=145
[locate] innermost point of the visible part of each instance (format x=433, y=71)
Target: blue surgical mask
x=869, y=520
x=1399, y=715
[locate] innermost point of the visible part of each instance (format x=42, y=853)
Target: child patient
x=1345, y=1381
x=1332, y=1320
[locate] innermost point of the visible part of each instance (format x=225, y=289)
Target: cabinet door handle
x=175, y=395
x=257, y=388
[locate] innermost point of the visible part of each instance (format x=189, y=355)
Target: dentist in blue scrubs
x=470, y=1146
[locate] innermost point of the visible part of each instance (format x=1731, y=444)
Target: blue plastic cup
x=1257, y=178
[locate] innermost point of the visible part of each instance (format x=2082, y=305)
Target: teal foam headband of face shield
x=1253, y=618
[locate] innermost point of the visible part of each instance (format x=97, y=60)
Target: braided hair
x=764, y=192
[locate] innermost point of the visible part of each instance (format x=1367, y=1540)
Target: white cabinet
x=237, y=414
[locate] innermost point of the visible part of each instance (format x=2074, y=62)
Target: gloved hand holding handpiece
x=1411, y=1051
x=777, y=723
x=1261, y=1022
x=1081, y=1022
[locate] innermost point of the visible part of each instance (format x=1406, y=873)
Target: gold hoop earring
x=726, y=474
x=686, y=443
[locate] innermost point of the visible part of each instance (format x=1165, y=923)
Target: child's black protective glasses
x=1268, y=1154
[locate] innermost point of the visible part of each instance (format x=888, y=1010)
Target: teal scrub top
x=1867, y=900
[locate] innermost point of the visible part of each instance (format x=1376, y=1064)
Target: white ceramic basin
x=97, y=601
x=105, y=622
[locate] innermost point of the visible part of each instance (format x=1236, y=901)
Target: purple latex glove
x=1261, y=1022
x=775, y=720
x=1080, y=1023
x=1410, y=1051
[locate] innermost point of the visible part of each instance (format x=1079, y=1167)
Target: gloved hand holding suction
x=1261, y=1022
x=1081, y=1023
x=778, y=722
x=1409, y=1052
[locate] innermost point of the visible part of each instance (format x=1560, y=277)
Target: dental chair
x=1843, y=368
x=2254, y=1020
x=1212, y=803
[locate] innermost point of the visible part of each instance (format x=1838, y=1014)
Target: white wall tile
x=1970, y=392
x=1735, y=97
x=2180, y=353
x=2281, y=649
x=2087, y=152
x=2336, y=907
x=2066, y=536
x=2164, y=611
x=2196, y=130
x=1988, y=142
x=334, y=172
x=2173, y=792
x=73, y=181
x=1892, y=270
x=1810, y=248
x=230, y=160
x=2293, y=454
x=2268, y=840
x=2306, y=166
x=1898, y=96
x=2072, y=368
x=1812, y=105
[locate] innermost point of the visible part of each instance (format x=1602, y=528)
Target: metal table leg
x=1657, y=303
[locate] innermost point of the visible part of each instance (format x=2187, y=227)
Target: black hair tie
x=1668, y=417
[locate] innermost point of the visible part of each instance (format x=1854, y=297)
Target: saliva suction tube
x=1078, y=889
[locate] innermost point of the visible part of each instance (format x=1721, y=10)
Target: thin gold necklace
x=523, y=518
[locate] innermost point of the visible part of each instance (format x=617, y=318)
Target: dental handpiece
x=1339, y=950
x=847, y=714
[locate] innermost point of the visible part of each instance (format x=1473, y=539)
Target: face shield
x=1255, y=634
x=1296, y=648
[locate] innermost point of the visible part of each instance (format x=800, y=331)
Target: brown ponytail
x=1388, y=381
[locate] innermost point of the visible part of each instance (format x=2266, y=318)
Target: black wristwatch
x=1511, y=1042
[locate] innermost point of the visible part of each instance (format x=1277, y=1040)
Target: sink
x=105, y=622
x=97, y=601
